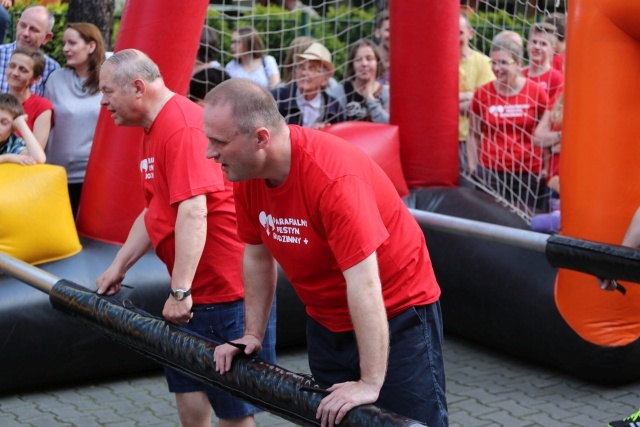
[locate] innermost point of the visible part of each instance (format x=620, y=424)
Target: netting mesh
x=260, y=42
x=516, y=163
x=517, y=177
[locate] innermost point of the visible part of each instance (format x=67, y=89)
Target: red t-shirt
x=558, y=62
x=35, y=105
x=552, y=81
x=174, y=168
x=507, y=123
x=336, y=208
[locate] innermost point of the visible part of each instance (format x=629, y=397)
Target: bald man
x=357, y=259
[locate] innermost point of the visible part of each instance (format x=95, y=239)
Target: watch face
x=180, y=294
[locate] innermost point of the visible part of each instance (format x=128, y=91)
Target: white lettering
x=288, y=230
x=286, y=239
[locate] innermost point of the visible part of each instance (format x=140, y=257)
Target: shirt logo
x=285, y=230
x=505, y=111
x=146, y=167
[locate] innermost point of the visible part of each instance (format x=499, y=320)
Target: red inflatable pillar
x=424, y=89
x=169, y=32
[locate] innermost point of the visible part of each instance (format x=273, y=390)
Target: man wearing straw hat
x=305, y=102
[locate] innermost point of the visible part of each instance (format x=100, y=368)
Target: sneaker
x=632, y=420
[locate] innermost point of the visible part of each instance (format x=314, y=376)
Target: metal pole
x=27, y=273
x=482, y=230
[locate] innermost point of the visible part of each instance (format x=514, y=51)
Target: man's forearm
x=260, y=277
x=136, y=245
x=190, y=236
x=369, y=318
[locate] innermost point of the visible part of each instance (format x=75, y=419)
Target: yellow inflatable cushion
x=36, y=223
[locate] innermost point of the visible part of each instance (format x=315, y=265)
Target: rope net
x=509, y=149
x=261, y=41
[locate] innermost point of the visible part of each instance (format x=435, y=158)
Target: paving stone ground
x=484, y=388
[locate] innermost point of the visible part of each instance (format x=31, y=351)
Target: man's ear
x=48, y=37
x=139, y=87
x=35, y=80
x=264, y=136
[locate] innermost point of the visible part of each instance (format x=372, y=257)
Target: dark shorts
x=414, y=386
x=228, y=321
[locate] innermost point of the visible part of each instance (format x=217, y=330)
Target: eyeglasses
x=502, y=63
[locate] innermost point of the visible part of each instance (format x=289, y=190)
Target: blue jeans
x=227, y=319
x=414, y=386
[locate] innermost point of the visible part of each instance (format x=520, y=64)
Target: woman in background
x=25, y=68
x=363, y=97
x=75, y=95
x=504, y=114
x=249, y=61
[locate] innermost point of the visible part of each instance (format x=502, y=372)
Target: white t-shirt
x=259, y=76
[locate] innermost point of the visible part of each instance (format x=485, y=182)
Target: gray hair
x=252, y=106
x=131, y=64
x=508, y=35
x=51, y=20
x=508, y=45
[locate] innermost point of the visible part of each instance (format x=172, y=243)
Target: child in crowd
x=14, y=149
x=541, y=47
x=474, y=71
x=25, y=68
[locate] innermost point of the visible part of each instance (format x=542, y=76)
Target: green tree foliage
x=488, y=24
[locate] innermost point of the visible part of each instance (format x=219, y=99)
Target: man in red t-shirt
x=189, y=219
x=356, y=257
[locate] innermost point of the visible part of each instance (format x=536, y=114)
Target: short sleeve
x=475, y=102
x=247, y=229
x=271, y=66
x=188, y=172
x=352, y=219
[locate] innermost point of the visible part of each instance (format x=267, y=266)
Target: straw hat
x=317, y=52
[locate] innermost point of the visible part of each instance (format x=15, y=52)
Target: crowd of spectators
x=509, y=130
x=511, y=116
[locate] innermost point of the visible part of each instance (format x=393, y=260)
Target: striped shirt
x=13, y=145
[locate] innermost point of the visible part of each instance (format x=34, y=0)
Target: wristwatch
x=180, y=294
